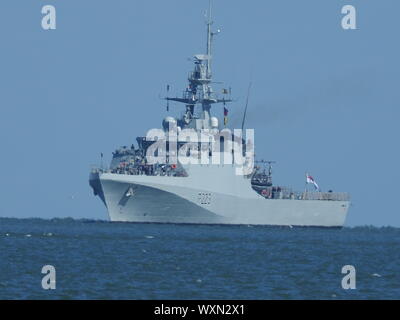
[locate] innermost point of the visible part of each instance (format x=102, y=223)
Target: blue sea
x=103, y=260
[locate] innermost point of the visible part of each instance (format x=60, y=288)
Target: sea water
x=104, y=260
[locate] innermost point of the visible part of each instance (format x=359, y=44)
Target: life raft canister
x=265, y=193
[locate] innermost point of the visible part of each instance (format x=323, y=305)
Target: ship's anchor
x=127, y=195
x=130, y=192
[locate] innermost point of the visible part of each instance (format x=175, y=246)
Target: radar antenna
x=199, y=90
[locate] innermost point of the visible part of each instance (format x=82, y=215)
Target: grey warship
x=134, y=189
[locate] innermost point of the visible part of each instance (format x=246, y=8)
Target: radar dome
x=214, y=122
x=169, y=122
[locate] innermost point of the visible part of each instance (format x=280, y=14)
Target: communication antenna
x=167, y=96
x=247, y=103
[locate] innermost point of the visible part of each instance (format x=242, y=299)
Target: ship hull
x=130, y=198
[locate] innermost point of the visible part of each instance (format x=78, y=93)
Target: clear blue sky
x=324, y=100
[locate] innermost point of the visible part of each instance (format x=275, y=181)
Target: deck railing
x=288, y=193
x=334, y=196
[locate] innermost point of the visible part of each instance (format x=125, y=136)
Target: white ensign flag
x=311, y=180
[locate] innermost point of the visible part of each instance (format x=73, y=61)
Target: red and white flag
x=311, y=180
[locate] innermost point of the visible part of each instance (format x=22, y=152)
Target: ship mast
x=207, y=90
x=209, y=40
x=199, y=90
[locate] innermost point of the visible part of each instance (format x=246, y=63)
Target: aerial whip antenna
x=167, y=96
x=209, y=37
x=247, y=103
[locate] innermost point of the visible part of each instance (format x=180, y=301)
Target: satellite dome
x=169, y=122
x=214, y=122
